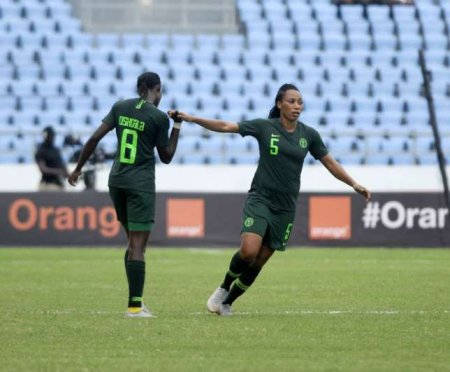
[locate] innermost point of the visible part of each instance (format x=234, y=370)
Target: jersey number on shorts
x=287, y=234
x=128, y=146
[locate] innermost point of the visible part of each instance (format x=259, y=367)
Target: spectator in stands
x=50, y=162
x=269, y=211
x=140, y=127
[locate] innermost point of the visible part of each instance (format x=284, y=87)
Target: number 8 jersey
x=140, y=127
x=281, y=157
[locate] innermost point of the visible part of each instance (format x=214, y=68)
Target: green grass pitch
x=310, y=310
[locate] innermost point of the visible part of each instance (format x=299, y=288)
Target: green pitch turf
x=310, y=310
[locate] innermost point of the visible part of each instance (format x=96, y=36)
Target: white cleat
x=216, y=299
x=143, y=312
x=225, y=310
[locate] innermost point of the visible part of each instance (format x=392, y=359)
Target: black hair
x=275, y=111
x=48, y=134
x=49, y=131
x=146, y=81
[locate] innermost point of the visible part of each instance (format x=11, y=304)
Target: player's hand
x=175, y=116
x=363, y=191
x=184, y=117
x=73, y=177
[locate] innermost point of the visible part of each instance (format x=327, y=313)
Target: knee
x=248, y=255
x=136, y=252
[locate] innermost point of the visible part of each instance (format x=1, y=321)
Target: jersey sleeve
x=162, y=137
x=317, y=149
x=250, y=128
x=111, y=119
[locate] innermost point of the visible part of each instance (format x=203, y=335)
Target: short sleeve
x=317, y=149
x=250, y=128
x=110, y=119
x=162, y=137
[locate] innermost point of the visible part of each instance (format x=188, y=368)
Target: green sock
x=237, y=266
x=136, y=279
x=242, y=284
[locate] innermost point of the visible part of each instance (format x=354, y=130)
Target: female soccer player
x=140, y=127
x=269, y=210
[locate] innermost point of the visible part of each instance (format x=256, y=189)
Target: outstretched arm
x=87, y=151
x=211, y=124
x=340, y=173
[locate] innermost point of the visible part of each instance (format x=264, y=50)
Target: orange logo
x=185, y=218
x=330, y=217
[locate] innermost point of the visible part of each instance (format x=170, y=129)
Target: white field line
x=278, y=313
x=337, y=312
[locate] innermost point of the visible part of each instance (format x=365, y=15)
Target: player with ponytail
x=269, y=211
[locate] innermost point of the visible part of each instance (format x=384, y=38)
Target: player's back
x=140, y=126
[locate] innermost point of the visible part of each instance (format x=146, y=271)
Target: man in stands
x=50, y=162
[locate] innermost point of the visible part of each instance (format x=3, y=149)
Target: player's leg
x=254, y=226
x=277, y=233
x=276, y=237
x=247, y=253
x=119, y=199
x=241, y=260
x=257, y=256
x=140, y=213
x=249, y=275
x=136, y=267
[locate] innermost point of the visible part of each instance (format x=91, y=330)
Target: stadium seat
x=355, y=66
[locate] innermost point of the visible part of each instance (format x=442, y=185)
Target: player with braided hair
x=140, y=127
x=269, y=210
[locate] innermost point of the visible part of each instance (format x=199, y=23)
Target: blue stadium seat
x=194, y=159
x=79, y=40
x=207, y=41
x=243, y=158
x=181, y=42
x=23, y=88
x=232, y=42
x=107, y=40
x=351, y=159
x=190, y=137
x=351, y=79
x=249, y=10
x=159, y=41
x=133, y=41
x=190, y=143
x=209, y=104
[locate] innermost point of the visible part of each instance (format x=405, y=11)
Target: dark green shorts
x=273, y=226
x=134, y=209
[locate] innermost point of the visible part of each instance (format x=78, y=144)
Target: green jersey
x=140, y=126
x=281, y=156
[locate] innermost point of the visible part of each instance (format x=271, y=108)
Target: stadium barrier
x=214, y=220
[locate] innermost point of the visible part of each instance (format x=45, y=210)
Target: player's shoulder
x=121, y=104
x=125, y=102
x=159, y=114
x=308, y=129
